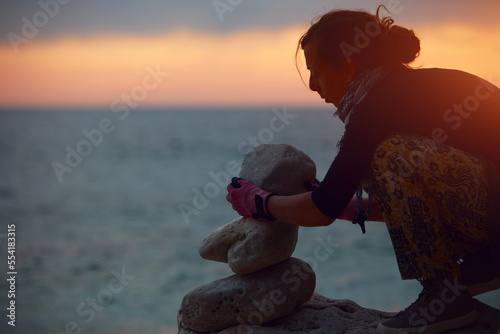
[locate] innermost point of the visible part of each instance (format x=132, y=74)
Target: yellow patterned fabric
x=434, y=201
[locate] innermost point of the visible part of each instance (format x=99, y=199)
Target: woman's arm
x=298, y=210
x=301, y=210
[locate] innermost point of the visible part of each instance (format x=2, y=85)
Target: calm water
x=102, y=243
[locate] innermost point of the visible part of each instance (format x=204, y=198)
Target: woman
x=423, y=143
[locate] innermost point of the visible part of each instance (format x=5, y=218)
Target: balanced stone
x=278, y=168
x=246, y=244
x=248, y=300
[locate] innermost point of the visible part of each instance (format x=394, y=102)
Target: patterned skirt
x=434, y=201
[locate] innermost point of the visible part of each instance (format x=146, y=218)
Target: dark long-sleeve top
x=448, y=106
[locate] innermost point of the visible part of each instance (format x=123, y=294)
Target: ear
x=350, y=68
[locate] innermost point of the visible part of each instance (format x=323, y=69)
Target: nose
x=313, y=84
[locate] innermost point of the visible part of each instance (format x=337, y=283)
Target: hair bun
x=402, y=44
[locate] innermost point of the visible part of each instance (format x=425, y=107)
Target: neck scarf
x=357, y=91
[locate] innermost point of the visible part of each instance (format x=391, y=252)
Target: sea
x=102, y=214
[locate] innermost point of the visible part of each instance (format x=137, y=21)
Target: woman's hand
x=249, y=200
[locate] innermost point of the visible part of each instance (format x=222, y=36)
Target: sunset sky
x=62, y=53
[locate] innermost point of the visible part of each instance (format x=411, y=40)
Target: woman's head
x=345, y=42
x=369, y=40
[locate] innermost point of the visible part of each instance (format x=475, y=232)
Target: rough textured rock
x=252, y=299
x=248, y=245
x=278, y=168
x=321, y=315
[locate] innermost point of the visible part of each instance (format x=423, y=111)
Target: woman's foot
x=442, y=305
x=484, y=286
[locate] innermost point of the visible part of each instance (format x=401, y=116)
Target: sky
x=185, y=53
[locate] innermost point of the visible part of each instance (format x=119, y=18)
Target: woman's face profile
x=328, y=81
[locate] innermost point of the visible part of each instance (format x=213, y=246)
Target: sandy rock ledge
x=321, y=315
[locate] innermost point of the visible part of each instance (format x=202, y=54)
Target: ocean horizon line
x=165, y=108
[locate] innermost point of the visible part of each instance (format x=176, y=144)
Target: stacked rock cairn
x=268, y=283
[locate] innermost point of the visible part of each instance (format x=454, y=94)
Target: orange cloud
x=247, y=68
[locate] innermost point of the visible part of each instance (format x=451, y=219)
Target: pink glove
x=350, y=210
x=249, y=200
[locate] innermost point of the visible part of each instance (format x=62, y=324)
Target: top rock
x=278, y=168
